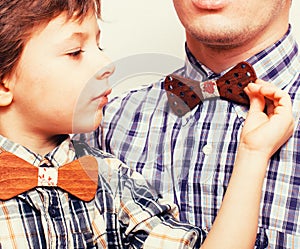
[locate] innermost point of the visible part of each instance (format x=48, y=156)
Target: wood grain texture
x=79, y=178
x=185, y=94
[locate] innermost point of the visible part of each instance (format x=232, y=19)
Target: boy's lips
x=103, y=95
x=103, y=98
x=107, y=92
x=210, y=4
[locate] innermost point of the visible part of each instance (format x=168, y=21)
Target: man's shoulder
x=138, y=92
x=143, y=98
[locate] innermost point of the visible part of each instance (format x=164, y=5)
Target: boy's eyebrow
x=81, y=36
x=77, y=35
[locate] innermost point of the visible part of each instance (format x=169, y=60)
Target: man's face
x=58, y=87
x=231, y=23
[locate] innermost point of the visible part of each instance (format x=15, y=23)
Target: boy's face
x=57, y=86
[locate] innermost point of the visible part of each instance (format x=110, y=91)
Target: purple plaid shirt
x=189, y=159
x=123, y=214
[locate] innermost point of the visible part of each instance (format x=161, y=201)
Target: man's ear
x=6, y=94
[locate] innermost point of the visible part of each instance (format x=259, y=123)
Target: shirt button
x=52, y=211
x=207, y=149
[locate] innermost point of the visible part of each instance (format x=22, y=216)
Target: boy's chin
x=85, y=127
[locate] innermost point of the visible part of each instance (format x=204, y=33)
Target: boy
x=49, y=51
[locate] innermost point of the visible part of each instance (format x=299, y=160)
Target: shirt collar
x=270, y=64
x=62, y=154
x=278, y=63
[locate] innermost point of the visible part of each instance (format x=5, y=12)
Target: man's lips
x=210, y=4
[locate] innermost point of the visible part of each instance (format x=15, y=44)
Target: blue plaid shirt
x=189, y=159
x=123, y=214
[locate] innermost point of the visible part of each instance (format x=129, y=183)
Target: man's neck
x=221, y=57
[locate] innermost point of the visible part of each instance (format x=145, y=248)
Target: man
x=189, y=157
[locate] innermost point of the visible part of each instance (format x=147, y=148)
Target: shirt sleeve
x=147, y=221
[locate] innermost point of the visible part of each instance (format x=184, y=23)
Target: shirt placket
x=54, y=223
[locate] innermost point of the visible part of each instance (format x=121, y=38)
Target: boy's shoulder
x=83, y=149
x=106, y=161
x=111, y=169
x=109, y=166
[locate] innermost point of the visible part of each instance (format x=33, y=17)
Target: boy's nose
x=105, y=71
x=105, y=66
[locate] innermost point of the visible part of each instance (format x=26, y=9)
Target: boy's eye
x=76, y=53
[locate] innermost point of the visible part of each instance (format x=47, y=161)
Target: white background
x=135, y=27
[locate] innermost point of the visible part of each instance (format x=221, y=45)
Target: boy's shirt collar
x=62, y=154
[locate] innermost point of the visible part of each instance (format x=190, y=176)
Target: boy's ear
x=6, y=95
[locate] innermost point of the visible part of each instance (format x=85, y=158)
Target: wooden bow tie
x=184, y=94
x=79, y=178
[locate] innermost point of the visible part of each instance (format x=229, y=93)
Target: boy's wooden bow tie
x=184, y=94
x=79, y=178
